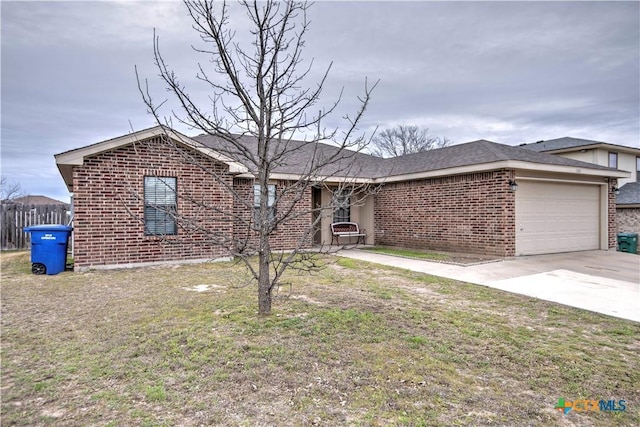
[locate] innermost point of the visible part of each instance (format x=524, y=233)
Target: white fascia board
x=297, y=177
x=234, y=167
x=76, y=157
x=505, y=164
x=603, y=145
x=560, y=180
x=320, y=178
x=577, y=170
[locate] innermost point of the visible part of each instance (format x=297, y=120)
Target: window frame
x=613, y=155
x=342, y=206
x=161, y=215
x=271, y=204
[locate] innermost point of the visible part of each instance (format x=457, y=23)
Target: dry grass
x=357, y=344
x=439, y=256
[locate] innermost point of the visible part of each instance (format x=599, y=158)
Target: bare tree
x=259, y=91
x=10, y=189
x=405, y=139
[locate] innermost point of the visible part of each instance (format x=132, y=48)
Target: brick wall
x=628, y=220
x=289, y=233
x=109, y=206
x=612, y=217
x=465, y=213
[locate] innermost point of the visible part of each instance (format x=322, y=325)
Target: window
x=160, y=206
x=271, y=201
x=613, y=160
x=638, y=169
x=341, y=206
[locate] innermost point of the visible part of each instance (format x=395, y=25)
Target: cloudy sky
x=510, y=72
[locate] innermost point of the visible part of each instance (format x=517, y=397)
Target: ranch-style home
x=480, y=197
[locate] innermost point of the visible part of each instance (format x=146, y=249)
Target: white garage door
x=556, y=217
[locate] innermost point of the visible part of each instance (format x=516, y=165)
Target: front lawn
x=445, y=257
x=357, y=344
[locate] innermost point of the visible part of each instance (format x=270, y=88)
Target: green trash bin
x=628, y=242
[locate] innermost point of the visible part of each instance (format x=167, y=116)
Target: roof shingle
x=629, y=194
x=367, y=166
x=560, y=144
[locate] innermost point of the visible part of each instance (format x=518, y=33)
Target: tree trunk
x=264, y=282
x=257, y=88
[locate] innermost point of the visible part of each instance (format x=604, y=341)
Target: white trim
x=296, y=177
x=559, y=180
x=601, y=145
x=321, y=178
x=234, y=167
x=505, y=164
x=76, y=157
x=483, y=167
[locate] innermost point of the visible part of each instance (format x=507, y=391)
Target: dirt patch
x=469, y=259
x=454, y=258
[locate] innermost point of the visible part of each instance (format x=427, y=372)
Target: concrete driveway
x=606, y=282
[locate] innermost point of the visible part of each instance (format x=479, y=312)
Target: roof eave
x=318, y=178
x=603, y=145
x=68, y=159
x=506, y=164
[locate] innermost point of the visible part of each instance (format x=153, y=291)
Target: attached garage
x=554, y=217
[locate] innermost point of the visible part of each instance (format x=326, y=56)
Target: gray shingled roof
x=629, y=194
x=38, y=200
x=560, y=144
x=366, y=166
x=299, y=154
x=472, y=153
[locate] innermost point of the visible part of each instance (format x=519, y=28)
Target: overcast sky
x=510, y=72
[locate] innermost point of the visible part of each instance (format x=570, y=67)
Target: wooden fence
x=14, y=217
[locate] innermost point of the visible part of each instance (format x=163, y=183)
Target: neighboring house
x=604, y=154
x=458, y=198
x=21, y=212
x=596, y=152
x=628, y=208
x=38, y=200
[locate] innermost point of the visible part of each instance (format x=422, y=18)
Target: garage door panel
x=556, y=217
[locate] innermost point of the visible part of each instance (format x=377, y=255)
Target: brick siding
x=295, y=232
x=612, y=217
x=628, y=220
x=469, y=213
x=109, y=206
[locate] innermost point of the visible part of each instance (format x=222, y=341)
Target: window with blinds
x=341, y=206
x=160, y=206
x=271, y=201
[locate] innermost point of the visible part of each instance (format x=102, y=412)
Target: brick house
x=479, y=197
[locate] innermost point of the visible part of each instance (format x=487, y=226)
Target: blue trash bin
x=49, y=248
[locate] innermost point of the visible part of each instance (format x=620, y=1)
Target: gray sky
x=510, y=72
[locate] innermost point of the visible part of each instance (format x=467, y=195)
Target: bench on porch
x=346, y=229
